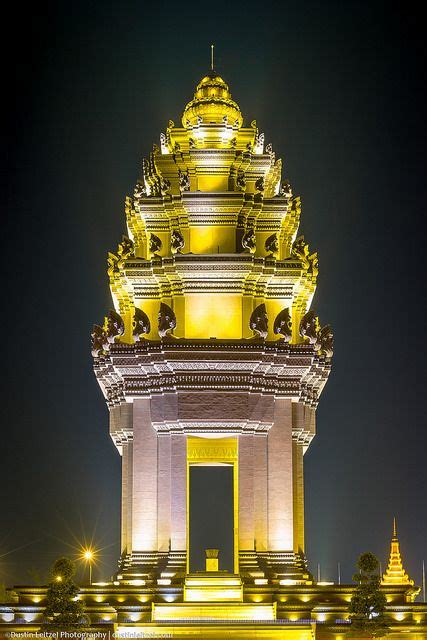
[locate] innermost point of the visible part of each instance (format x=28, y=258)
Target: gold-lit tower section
x=212, y=354
x=213, y=228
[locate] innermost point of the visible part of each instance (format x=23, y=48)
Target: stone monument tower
x=212, y=354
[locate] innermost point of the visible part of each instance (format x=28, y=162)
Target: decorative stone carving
x=147, y=177
x=309, y=327
x=272, y=244
x=325, y=341
x=259, y=184
x=184, y=180
x=139, y=191
x=300, y=251
x=112, y=262
x=99, y=342
x=113, y=326
x=155, y=183
x=283, y=325
x=155, y=244
x=269, y=149
x=125, y=249
x=241, y=181
x=249, y=241
x=163, y=143
x=141, y=324
x=165, y=185
x=259, y=142
x=313, y=267
x=166, y=320
x=286, y=190
x=259, y=321
x=177, y=241
x=209, y=450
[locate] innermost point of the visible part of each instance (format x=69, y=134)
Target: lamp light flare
x=88, y=555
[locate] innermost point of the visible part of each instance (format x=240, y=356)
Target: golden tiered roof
x=212, y=230
x=395, y=573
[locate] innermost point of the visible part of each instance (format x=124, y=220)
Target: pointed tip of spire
x=212, y=56
x=394, y=528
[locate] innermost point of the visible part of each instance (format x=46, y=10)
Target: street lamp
x=88, y=556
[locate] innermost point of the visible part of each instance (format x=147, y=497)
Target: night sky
x=337, y=87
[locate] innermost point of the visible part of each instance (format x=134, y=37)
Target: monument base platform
x=238, y=630
x=211, y=608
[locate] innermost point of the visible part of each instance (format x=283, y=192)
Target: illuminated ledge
x=218, y=631
x=208, y=611
x=213, y=587
x=214, y=579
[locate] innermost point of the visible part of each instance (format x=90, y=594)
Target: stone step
x=206, y=611
x=215, y=586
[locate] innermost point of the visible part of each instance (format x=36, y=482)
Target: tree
x=368, y=602
x=63, y=609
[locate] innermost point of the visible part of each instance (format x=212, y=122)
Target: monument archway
x=211, y=515
x=215, y=452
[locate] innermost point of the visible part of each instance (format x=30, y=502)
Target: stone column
x=280, y=500
x=125, y=497
x=144, y=498
x=260, y=492
x=164, y=492
x=130, y=493
x=178, y=492
x=301, y=425
x=298, y=496
x=121, y=430
x=246, y=492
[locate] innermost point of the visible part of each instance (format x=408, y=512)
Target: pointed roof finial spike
x=394, y=527
x=212, y=56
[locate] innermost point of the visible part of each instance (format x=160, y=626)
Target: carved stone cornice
x=148, y=368
x=242, y=273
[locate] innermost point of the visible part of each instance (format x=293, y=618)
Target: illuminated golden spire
x=212, y=103
x=395, y=573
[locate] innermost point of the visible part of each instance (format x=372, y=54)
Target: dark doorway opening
x=211, y=515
